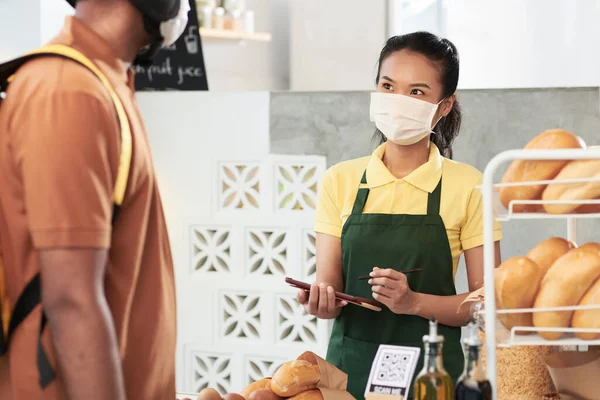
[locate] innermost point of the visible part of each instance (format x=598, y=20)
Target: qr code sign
x=393, y=369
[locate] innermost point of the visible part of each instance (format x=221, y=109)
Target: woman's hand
x=321, y=301
x=390, y=288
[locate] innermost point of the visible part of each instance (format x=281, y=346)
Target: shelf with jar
x=228, y=20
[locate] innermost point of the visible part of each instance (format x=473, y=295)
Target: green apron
x=401, y=242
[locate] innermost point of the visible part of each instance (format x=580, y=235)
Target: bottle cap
x=472, y=339
x=433, y=336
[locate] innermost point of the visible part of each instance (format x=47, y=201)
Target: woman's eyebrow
x=422, y=85
x=387, y=78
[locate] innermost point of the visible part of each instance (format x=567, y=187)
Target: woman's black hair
x=444, y=55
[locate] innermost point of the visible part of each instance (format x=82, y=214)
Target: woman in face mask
x=406, y=207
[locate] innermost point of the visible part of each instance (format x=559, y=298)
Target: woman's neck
x=402, y=160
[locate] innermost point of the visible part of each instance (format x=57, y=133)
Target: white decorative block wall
x=309, y=255
x=267, y=250
x=210, y=370
x=211, y=249
x=258, y=367
x=239, y=185
x=294, y=325
x=296, y=184
x=258, y=232
x=240, y=316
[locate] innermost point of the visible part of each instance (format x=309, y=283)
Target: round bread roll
x=264, y=394
x=209, y=394
x=295, y=377
x=589, y=319
x=564, y=285
x=309, y=395
x=232, y=396
x=257, y=385
x=548, y=251
x=517, y=281
x=535, y=170
x=573, y=191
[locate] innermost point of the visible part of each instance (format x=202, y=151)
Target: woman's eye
x=416, y=92
x=387, y=86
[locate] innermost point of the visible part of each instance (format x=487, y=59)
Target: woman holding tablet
x=406, y=207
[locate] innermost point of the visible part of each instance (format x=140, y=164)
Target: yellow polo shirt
x=461, y=203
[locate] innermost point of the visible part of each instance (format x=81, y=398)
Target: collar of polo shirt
x=426, y=177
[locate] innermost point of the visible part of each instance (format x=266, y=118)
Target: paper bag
x=331, y=377
x=473, y=297
x=575, y=373
x=335, y=394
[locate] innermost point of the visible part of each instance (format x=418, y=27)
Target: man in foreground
x=107, y=287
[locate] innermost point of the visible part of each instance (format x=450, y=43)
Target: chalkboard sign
x=177, y=67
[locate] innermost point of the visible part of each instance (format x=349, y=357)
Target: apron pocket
x=356, y=359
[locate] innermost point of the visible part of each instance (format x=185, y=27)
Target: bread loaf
x=589, y=319
x=232, y=396
x=309, y=395
x=564, y=285
x=545, y=253
x=591, y=247
x=209, y=394
x=517, y=282
x=254, y=386
x=264, y=394
x=295, y=377
x=534, y=170
x=589, y=208
x=573, y=191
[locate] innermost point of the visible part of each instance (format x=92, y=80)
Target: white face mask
x=403, y=120
x=173, y=28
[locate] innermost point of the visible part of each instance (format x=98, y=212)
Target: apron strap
x=433, y=200
x=361, y=197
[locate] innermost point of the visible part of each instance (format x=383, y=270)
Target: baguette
x=589, y=208
x=589, y=319
x=573, y=191
x=517, y=281
x=545, y=253
x=295, y=377
x=564, y=285
x=591, y=247
x=535, y=170
x=254, y=386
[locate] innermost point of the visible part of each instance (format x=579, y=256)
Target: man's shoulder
x=55, y=76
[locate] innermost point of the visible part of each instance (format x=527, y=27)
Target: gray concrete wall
x=336, y=125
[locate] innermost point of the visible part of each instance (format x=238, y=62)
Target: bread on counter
x=295, y=377
x=309, y=395
x=545, y=253
x=536, y=170
x=564, y=284
x=573, y=191
x=517, y=282
x=254, y=386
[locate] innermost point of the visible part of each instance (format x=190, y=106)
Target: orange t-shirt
x=59, y=149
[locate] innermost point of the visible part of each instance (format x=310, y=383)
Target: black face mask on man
x=164, y=21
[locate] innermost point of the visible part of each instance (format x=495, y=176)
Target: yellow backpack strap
x=125, y=154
